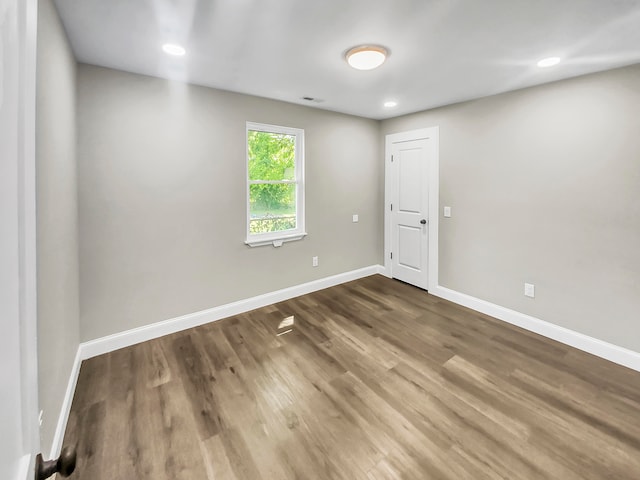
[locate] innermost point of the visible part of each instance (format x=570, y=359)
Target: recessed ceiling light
x=549, y=62
x=366, y=57
x=390, y=104
x=173, y=49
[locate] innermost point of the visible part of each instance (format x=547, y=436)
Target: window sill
x=275, y=241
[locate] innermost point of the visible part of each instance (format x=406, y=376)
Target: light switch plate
x=355, y=218
x=529, y=290
x=447, y=212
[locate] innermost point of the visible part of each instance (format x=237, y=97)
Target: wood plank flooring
x=374, y=379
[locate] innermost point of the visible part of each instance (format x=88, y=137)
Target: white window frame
x=278, y=238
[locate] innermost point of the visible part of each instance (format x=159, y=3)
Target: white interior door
x=409, y=210
x=18, y=365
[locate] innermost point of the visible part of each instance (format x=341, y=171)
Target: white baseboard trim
x=137, y=335
x=127, y=338
x=614, y=353
x=24, y=470
x=608, y=351
x=63, y=418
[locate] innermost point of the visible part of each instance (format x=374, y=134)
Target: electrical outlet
x=529, y=290
x=314, y=261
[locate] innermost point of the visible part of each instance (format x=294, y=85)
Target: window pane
x=272, y=207
x=271, y=156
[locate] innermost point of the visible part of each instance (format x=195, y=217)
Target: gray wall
x=544, y=185
x=57, y=216
x=162, y=199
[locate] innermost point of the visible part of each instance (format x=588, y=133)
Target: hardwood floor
x=374, y=379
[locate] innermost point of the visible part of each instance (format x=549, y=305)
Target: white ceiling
x=442, y=51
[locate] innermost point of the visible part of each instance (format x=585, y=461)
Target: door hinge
x=392, y=207
x=391, y=255
x=392, y=158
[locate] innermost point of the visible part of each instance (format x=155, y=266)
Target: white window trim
x=278, y=238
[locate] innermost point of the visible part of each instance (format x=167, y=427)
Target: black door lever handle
x=64, y=465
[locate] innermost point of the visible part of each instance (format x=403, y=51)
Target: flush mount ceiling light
x=390, y=104
x=549, y=62
x=366, y=57
x=173, y=49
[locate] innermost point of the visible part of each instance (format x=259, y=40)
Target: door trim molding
x=65, y=409
x=432, y=133
x=28, y=329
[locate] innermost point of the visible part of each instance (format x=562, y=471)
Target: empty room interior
x=339, y=240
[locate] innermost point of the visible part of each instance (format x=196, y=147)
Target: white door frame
x=23, y=14
x=29, y=316
x=433, y=134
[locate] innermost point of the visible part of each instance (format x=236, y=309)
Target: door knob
x=64, y=465
x=423, y=221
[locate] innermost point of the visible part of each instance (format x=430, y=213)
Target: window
x=275, y=184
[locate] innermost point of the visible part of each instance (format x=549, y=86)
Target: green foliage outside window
x=271, y=158
x=275, y=224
